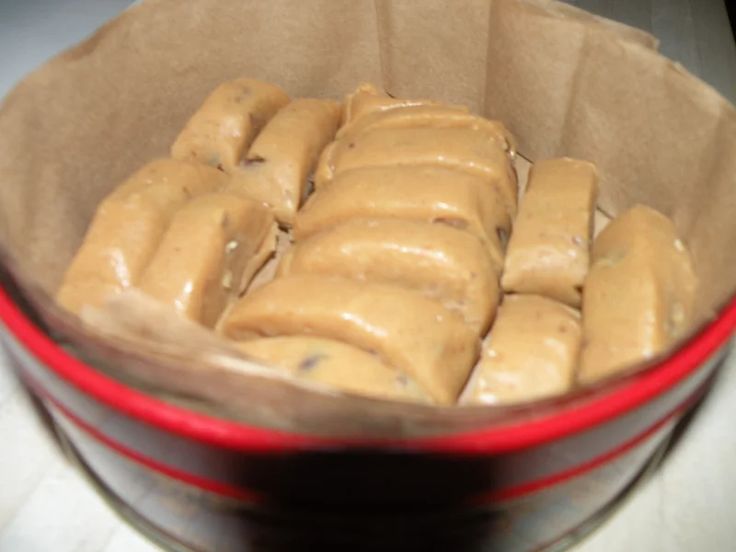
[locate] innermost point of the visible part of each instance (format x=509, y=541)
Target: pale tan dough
x=531, y=352
x=548, y=253
x=477, y=151
x=408, y=116
x=127, y=229
x=421, y=116
x=409, y=332
x=330, y=362
x=443, y=263
x=639, y=294
x=285, y=153
x=423, y=192
x=209, y=254
x=222, y=129
x=431, y=116
x=367, y=99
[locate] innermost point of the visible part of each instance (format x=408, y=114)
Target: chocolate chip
x=310, y=362
x=454, y=222
x=255, y=122
x=252, y=160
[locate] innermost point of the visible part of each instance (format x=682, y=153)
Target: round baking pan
x=208, y=483
x=520, y=478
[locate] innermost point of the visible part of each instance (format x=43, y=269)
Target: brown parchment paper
x=564, y=81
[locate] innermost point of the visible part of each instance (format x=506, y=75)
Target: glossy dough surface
x=127, y=228
x=443, y=263
x=388, y=278
x=465, y=149
x=426, y=193
x=548, y=253
x=222, y=129
x=367, y=99
x=209, y=253
x=409, y=332
x=335, y=364
x=284, y=154
x=639, y=295
x=531, y=352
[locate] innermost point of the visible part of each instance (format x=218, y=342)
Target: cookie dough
x=222, y=129
x=284, y=155
x=412, y=334
x=548, y=253
x=335, y=364
x=531, y=352
x=209, y=254
x=471, y=150
x=443, y=263
x=127, y=229
x=426, y=193
x=639, y=294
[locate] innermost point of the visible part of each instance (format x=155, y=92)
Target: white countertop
x=688, y=505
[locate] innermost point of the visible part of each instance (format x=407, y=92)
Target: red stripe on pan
x=580, y=469
x=496, y=495
x=624, y=395
x=199, y=482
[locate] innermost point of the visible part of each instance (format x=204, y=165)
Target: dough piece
x=209, y=254
x=329, y=362
x=426, y=193
x=127, y=229
x=639, y=294
x=404, y=116
x=427, y=116
x=409, y=332
x=531, y=352
x=473, y=151
x=220, y=132
x=443, y=263
x=285, y=153
x=367, y=99
x=548, y=253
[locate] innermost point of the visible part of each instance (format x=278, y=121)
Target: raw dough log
x=127, y=229
x=367, y=99
x=443, y=263
x=409, y=332
x=639, y=294
x=427, y=116
x=222, y=129
x=476, y=151
x=531, y=352
x=285, y=153
x=425, y=193
x=336, y=364
x=209, y=254
x=548, y=253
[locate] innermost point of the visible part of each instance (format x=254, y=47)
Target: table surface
x=686, y=506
